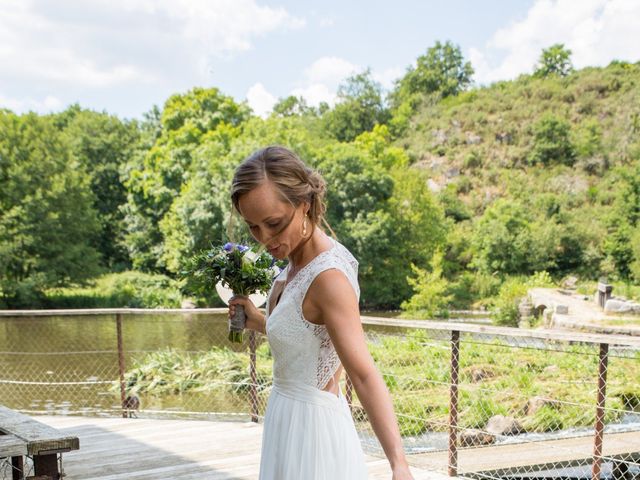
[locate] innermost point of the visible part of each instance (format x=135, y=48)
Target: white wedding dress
x=308, y=433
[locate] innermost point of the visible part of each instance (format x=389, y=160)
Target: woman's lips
x=274, y=249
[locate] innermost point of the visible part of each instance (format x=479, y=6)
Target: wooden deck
x=143, y=449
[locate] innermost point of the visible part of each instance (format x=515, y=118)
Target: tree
x=441, y=70
x=103, y=144
x=155, y=177
x=360, y=107
x=47, y=222
x=501, y=242
x=292, y=106
x=555, y=60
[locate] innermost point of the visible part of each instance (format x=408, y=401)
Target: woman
x=312, y=323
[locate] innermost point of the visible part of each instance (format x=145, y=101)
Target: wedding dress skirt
x=309, y=435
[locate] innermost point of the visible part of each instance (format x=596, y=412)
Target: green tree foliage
x=103, y=144
x=551, y=142
x=430, y=298
x=555, y=60
x=292, y=106
x=47, y=222
x=441, y=70
x=622, y=221
x=360, y=107
x=502, y=239
x=156, y=177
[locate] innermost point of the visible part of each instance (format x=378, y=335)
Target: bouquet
x=238, y=268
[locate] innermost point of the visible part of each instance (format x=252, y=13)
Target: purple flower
x=243, y=248
x=228, y=247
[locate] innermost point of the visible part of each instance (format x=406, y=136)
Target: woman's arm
x=333, y=298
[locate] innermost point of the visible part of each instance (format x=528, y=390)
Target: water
x=69, y=364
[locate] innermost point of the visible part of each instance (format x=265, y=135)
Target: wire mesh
x=484, y=403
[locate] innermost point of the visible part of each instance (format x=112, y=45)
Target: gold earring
x=304, y=226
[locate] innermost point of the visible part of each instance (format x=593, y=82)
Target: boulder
x=433, y=186
x=474, y=438
x=562, y=309
x=501, y=425
x=615, y=305
x=536, y=403
x=473, y=139
x=479, y=374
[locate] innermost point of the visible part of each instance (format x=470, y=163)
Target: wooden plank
x=145, y=449
x=40, y=439
x=504, y=460
x=12, y=446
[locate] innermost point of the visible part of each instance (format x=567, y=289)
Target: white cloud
x=260, y=100
x=597, y=31
x=387, y=77
x=45, y=105
x=106, y=43
x=322, y=78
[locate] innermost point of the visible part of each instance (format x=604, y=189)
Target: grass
x=494, y=379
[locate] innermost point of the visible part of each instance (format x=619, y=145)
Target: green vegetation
x=494, y=379
x=125, y=289
x=538, y=174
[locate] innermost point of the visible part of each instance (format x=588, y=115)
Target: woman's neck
x=309, y=249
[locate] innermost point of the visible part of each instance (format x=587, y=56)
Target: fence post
x=599, y=426
x=453, y=404
x=253, y=393
x=121, y=363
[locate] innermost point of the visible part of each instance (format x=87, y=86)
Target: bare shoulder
x=331, y=298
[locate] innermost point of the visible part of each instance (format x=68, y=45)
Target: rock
x=614, y=305
x=474, y=438
x=551, y=368
x=452, y=172
x=501, y=425
x=504, y=137
x=479, y=374
x=536, y=403
x=433, y=186
x=187, y=303
x=570, y=282
x=440, y=136
x=473, y=139
x=562, y=309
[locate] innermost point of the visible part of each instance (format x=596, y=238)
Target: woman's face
x=266, y=215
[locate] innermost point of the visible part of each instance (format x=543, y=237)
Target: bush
x=551, y=143
x=505, y=307
x=126, y=289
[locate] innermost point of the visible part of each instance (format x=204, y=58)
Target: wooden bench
x=22, y=436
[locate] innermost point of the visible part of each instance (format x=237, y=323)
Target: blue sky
x=124, y=56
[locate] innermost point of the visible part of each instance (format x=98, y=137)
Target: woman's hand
x=255, y=318
x=402, y=473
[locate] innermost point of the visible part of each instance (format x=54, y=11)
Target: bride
x=313, y=327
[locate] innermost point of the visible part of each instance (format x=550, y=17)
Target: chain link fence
x=471, y=400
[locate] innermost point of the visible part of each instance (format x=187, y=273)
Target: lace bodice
x=303, y=351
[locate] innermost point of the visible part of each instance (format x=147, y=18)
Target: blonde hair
x=295, y=182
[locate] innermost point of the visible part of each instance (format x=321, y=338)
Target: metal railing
x=471, y=400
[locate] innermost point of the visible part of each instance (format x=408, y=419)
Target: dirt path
x=582, y=313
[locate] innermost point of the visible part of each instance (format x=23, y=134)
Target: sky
x=125, y=56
